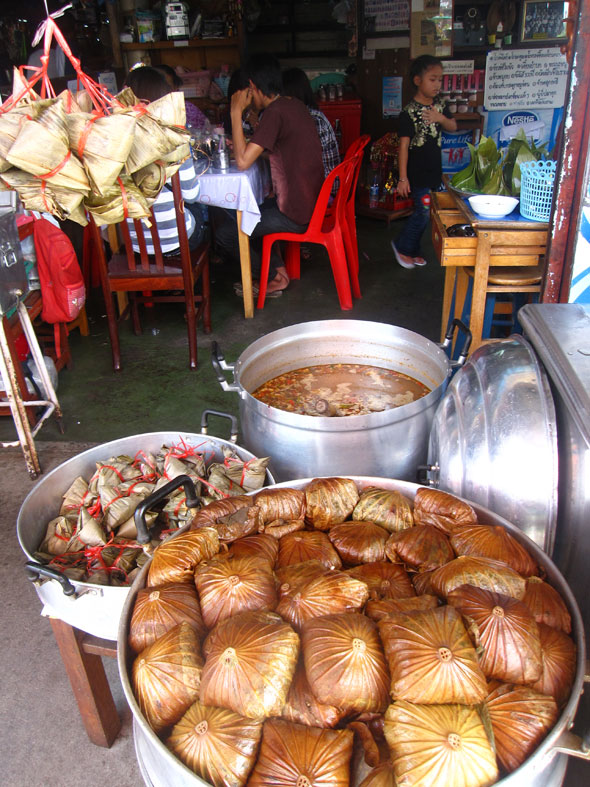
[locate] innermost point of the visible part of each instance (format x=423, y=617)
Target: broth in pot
x=340, y=389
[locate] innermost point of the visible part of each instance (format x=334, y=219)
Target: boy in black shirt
x=419, y=159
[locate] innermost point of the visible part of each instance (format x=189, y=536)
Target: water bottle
x=222, y=153
x=374, y=192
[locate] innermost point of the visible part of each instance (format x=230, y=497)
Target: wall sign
x=383, y=16
x=525, y=79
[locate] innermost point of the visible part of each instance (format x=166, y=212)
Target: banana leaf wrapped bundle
x=231, y=585
x=422, y=548
x=302, y=546
x=431, y=658
x=112, y=472
x=243, y=522
x=74, y=497
x=305, y=756
x=150, y=180
x=159, y=609
x=175, y=560
x=391, y=510
x=278, y=528
x=217, y=744
x=359, y=542
x=117, y=202
x=422, y=582
x=344, y=662
x=506, y=631
x=89, y=532
x=212, y=513
x=445, y=511
x=521, y=717
x=12, y=121
x=381, y=776
x=166, y=676
x=42, y=148
x=57, y=536
x=299, y=574
x=546, y=605
x=439, y=744
x=384, y=580
x=479, y=571
x=286, y=504
x=329, y=501
x=380, y=608
x=102, y=143
x=249, y=474
x=364, y=736
x=493, y=541
x=558, y=655
x=36, y=194
x=303, y=707
x=260, y=545
x=330, y=593
x=251, y=659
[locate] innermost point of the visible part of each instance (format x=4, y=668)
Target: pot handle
x=423, y=476
x=467, y=344
x=39, y=570
x=234, y=423
x=219, y=365
x=192, y=501
x=574, y=745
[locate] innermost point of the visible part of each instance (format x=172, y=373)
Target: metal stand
x=15, y=400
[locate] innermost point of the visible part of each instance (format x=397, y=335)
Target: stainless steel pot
x=94, y=608
x=545, y=768
x=494, y=438
x=391, y=443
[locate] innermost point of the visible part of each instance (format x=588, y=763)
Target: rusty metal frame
x=573, y=153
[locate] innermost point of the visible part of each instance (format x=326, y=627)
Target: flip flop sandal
x=420, y=262
x=255, y=290
x=398, y=257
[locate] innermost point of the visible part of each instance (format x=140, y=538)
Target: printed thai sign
x=525, y=79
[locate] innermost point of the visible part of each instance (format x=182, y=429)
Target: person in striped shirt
x=149, y=84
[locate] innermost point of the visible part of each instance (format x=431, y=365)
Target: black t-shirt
x=424, y=161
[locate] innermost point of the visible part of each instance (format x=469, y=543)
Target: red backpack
x=62, y=284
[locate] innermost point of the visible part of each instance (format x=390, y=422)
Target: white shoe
x=398, y=257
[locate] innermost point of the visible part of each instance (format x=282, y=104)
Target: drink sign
x=525, y=79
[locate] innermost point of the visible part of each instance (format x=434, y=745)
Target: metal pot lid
x=494, y=438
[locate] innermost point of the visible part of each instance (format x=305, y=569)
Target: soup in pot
x=340, y=389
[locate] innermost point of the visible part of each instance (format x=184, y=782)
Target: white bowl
x=492, y=206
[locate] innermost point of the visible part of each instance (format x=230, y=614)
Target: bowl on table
x=492, y=206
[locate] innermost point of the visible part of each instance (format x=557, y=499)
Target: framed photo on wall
x=543, y=21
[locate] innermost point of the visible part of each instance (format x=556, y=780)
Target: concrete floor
x=44, y=743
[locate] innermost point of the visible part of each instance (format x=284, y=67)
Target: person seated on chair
x=238, y=81
x=194, y=117
x=287, y=133
x=297, y=85
x=148, y=84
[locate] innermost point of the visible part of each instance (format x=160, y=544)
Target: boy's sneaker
x=403, y=259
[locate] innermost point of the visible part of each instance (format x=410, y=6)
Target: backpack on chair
x=62, y=283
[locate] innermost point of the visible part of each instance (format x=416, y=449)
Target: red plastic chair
x=325, y=229
x=356, y=150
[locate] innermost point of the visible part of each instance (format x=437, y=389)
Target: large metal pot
x=391, y=443
x=87, y=606
x=494, y=438
x=545, y=768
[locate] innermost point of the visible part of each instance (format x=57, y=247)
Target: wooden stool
x=511, y=281
x=81, y=654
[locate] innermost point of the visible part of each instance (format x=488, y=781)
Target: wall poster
x=431, y=28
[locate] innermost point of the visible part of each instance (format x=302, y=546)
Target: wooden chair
x=143, y=276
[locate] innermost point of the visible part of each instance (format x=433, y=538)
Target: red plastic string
x=85, y=133
x=43, y=195
x=124, y=199
x=55, y=170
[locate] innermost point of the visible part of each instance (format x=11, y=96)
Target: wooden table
x=510, y=241
x=242, y=191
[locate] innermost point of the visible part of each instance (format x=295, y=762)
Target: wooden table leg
x=89, y=684
x=480, y=283
x=449, y=289
x=246, y=267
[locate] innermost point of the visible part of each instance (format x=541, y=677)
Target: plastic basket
x=536, y=189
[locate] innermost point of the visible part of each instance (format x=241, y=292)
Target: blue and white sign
x=455, y=153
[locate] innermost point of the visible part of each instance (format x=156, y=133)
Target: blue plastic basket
x=537, y=179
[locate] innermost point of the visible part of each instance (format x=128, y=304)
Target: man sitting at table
x=287, y=133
